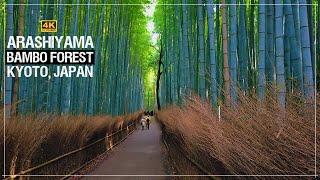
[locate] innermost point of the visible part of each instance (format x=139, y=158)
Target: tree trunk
x=9, y=80
x=295, y=56
x=15, y=96
x=233, y=51
x=243, y=50
x=306, y=52
x=262, y=51
x=212, y=53
x=311, y=33
x=159, y=77
x=281, y=86
x=186, y=65
x=226, y=75
x=270, y=59
x=201, y=58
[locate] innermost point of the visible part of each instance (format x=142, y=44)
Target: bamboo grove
x=219, y=51
x=121, y=44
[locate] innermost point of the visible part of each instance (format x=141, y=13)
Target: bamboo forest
x=228, y=88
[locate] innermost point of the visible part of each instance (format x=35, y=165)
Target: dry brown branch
x=250, y=138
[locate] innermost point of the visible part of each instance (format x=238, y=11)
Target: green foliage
x=249, y=49
x=124, y=65
x=127, y=60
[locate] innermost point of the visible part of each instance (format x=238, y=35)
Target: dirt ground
x=139, y=155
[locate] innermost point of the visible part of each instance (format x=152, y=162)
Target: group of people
x=145, y=120
x=149, y=113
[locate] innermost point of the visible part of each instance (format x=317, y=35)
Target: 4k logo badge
x=48, y=25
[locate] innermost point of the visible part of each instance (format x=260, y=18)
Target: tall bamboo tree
x=306, y=52
x=262, y=51
x=226, y=75
x=233, y=51
x=201, y=57
x=279, y=46
x=212, y=53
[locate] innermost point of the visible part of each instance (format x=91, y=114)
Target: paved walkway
x=139, y=154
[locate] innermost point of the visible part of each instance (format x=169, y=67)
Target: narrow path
x=139, y=154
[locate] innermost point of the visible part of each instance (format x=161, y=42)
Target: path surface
x=139, y=154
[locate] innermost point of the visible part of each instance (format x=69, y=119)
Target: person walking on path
x=148, y=122
x=143, y=123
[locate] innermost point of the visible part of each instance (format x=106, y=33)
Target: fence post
x=128, y=131
x=109, y=141
x=106, y=141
